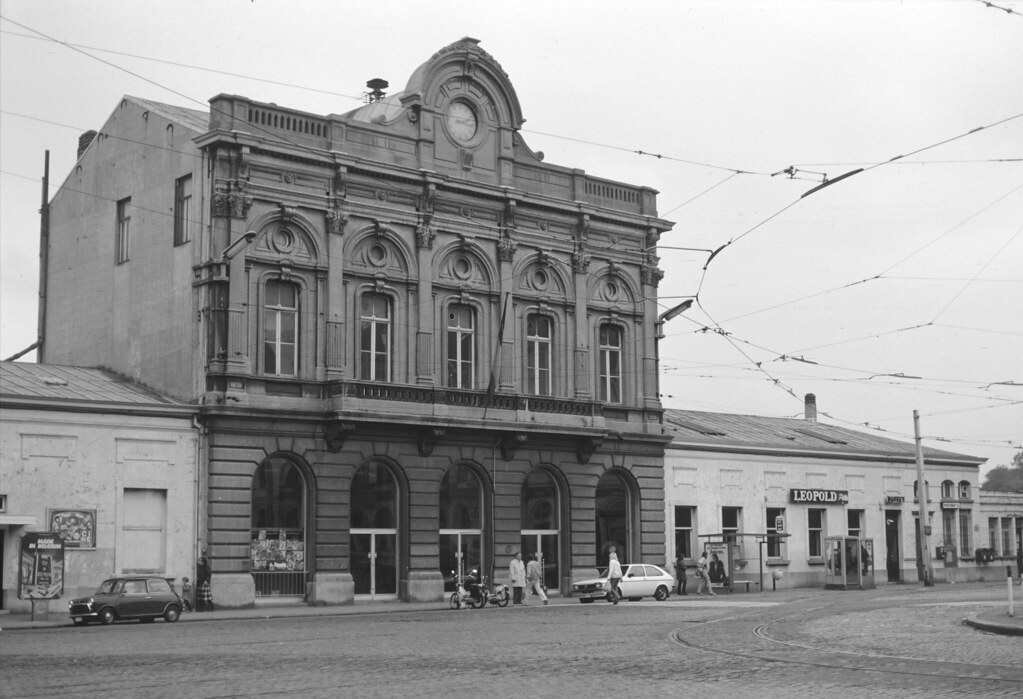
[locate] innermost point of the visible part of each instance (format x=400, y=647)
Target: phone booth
x=850, y=563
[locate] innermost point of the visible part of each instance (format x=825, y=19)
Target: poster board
x=41, y=573
x=718, y=564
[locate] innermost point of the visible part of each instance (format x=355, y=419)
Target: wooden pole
x=921, y=496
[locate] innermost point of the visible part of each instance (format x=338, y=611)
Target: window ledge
x=815, y=561
x=777, y=562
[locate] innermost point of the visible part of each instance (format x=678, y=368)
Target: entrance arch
x=461, y=523
x=614, y=508
x=373, y=534
x=540, y=522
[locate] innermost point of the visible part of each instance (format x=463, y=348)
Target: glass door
x=546, y=542
x=374, y=563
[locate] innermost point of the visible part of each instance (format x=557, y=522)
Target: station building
x=800, y=503
x=106, y=464
x=413, y=345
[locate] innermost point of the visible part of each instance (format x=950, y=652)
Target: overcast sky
x=899, y=288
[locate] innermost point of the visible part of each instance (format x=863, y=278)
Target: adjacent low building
x=105, y=464
x=813, y=504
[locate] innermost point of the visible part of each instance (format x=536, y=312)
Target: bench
x=735, y=584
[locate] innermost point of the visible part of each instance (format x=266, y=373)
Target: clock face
x=461, y=120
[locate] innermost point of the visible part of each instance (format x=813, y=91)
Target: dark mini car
x=142, y=597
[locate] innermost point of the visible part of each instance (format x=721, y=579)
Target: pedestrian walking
x=204, y=593
x=701, y=575
x=534, y=577
x=614, y=574
x=517, y=575
x=680, y=574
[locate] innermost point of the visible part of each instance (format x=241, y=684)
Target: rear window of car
x=159, y=585
x=652, y=572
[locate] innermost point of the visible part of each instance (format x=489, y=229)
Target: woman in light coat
x=517, y=575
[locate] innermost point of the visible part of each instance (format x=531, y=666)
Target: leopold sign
x=819, y=497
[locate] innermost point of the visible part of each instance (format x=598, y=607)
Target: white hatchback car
x=638, y=580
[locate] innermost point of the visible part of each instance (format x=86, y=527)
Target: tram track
x=716, y=636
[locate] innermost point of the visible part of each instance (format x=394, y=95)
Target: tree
x=1006, y=478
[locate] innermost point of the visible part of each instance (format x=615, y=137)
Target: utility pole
x=924, y=527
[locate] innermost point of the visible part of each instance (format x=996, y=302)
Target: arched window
x=613, y=510
x=948, y=490
x=964, y=490
x=277, y=551
x=461, y=522
x=540, y=523
x=375, y=338
x=374, y=531
x=461, y=347
x=609, y=380
x=280, y=329
x=539, y=355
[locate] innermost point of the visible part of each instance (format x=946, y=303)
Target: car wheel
x=107, y=616
x=171, y=615
x=661, y=593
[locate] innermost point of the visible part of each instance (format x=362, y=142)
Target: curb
x=1003, y=628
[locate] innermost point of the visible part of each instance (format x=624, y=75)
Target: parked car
x=638, y=580
x=142, y=597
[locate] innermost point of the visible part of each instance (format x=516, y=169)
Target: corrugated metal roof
x=198, y=121
x=68, y=383
x=777, y=433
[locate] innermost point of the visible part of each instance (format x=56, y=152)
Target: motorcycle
x=498, y=597
x=462, y=598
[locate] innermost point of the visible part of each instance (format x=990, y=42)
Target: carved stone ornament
x=337, y=220
x=219, y=207
x=580, y=262
x=335, y=432
x=425, y=235
x=427, y=439
x=239, y=204
x=651, y=275
x=585, y=448
x=506, y=248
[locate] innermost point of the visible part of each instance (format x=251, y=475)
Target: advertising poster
x=41, y=574
x=717, y=562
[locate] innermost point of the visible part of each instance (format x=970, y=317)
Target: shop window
x=277, y=550
x=280, y=329
x=539, y=354
x=992, y=533
x=684, y=533
x=461, y=347
x=373, y=536
x=461, y=523
x=613, y=509
x=1006, y=536
x=815, y=532
x=948, y=528
x=375, y=338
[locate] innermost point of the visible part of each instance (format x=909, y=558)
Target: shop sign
x=42, y=566
x=894, y=499
x=819, y=497
x=950, y=505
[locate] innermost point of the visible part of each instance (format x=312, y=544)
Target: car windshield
x=107, y=587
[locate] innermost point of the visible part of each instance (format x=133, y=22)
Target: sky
x=898, y=288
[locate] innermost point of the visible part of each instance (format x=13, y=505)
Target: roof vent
x=376, y=90
x=54, y=381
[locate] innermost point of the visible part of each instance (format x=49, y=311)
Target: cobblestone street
x=898, y=641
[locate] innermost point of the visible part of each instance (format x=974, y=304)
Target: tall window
x=684, y=517
x=461, y=347
x=277, y=546
x=964, y=490
x=538, y=355
x=965, y=531
x=947, y=490
x=775, y=547
x=540, y=524
x=1006, y=536
x=815, y=531
x=375, y=338
x=992, y=533
x=123, y=233
x=143, y=532
x=731, y=517
x=948, y=528
x=182, y=210
x=280, y=329
x=610, y=358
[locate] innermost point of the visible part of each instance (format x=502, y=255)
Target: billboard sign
x=41, y=574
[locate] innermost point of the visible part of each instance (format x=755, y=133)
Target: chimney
x=84, y=140
x=811, y=407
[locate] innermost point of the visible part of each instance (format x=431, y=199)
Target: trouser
x=682, y=583
x=517, y=594
x=616, y=594
x=537, y=589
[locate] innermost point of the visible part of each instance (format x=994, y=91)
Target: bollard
x=1008, y=578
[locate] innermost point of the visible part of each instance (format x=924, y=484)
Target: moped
x=499, y=596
